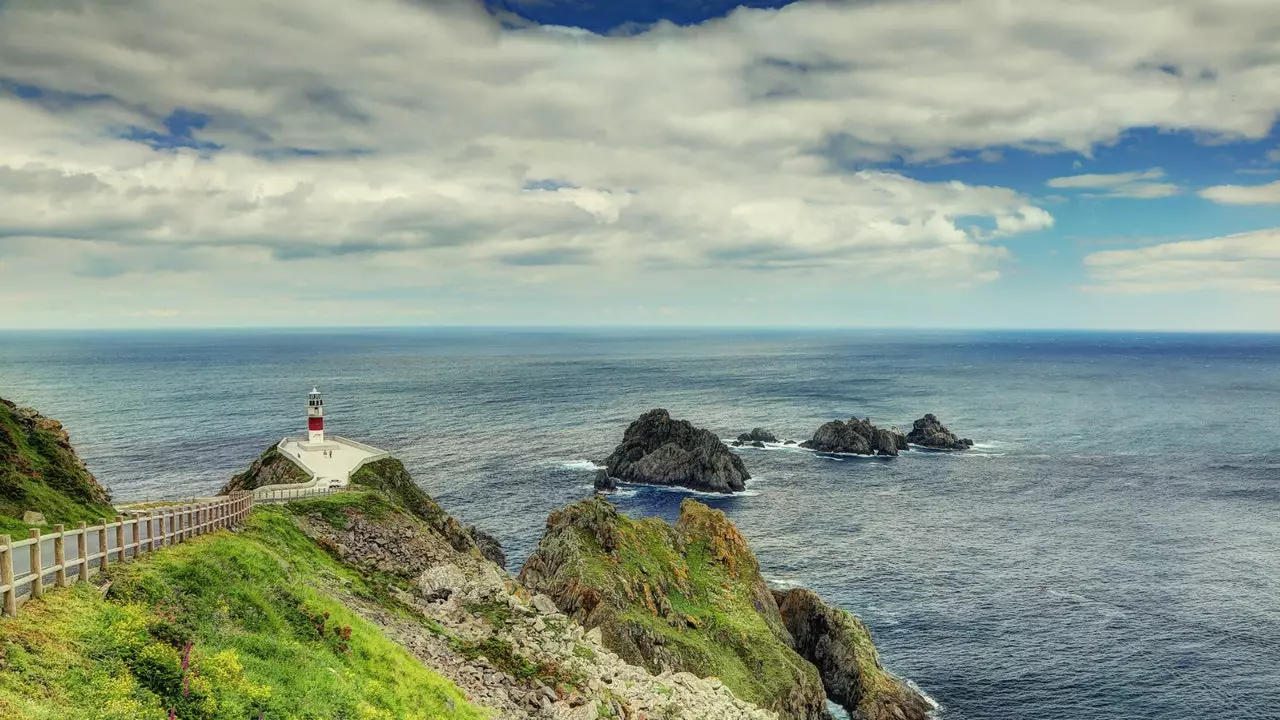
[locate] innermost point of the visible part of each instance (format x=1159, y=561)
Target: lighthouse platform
x=331, y=462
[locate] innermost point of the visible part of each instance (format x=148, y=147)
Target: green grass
x=708, y=581
x=36, y=473
x=266, y=637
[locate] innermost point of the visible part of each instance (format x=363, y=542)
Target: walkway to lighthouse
x=332, y=461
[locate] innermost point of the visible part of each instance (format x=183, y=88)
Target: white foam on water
x=786, y=583
x=584, y=465
x=687, y=491
x=620, y=492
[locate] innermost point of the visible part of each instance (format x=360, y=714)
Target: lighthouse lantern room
x=315, y=417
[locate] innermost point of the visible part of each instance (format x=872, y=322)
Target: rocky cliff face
x=657, y=450
x=684, y=598
x=40, y=472
x=839, y=644
x=929, y=432
x=858, y=437
x=509, y=649
x=271, y=468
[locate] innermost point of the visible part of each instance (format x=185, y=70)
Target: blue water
x=1111, y=549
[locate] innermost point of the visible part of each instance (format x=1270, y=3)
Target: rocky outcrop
x=657, y=450
x=839, y=644
x=758, y=435
x=510, y=650
x=389, y=476
x=488, y=545
x=686, y=598
x=604, y=483
x=856, y=437
x=271, y=468
x=930, y=433
x=41, y=473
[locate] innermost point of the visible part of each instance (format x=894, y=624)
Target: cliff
x=41, y=473
x=683, y=598
x=840, y=646
x=271, y=468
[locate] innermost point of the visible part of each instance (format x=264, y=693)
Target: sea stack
x=657, y=450
x=928, y=432
x=856, y=437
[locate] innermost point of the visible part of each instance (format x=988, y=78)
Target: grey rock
x=758, y=435
x=604, y=483
x=930, y=433
x=657, y=450
x=31, y=517
x=856, y=437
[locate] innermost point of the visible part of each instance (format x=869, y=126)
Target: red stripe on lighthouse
x=315, y=423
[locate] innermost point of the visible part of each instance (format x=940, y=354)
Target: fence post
x=137, y=535
x=102, y=546
x=37, y=563
x=151, y=531
x=120, y=537
x=59, y=557
x=6, y=578
x=82, y=549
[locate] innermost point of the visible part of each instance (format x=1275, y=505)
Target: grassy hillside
x=266, y=638
x=688, y=597
x=40, y=471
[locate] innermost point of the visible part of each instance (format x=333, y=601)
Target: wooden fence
x=27, y=566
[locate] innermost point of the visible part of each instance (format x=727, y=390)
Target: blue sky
x=956, y=164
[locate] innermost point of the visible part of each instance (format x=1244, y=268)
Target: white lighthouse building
x=329, y=460
x=315, y=417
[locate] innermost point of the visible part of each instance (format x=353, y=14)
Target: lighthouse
x=315, y=417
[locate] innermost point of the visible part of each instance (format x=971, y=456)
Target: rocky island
x=658, y=450
x=857, y=437
x=928, y=432
x=860, y=437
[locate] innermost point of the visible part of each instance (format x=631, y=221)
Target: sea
x=1109, y=549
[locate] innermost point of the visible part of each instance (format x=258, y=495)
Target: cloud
x=1268, y=194
x=406, y=141
x=1242, y=263
x=1119, y=185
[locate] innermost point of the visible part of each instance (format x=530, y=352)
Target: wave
x=620, y=492
x=584, y=465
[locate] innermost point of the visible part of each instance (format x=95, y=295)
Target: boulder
x=604, y=483
x=840, y=646
x=758, y=435
x=489, y=546
x=856, y=437
x=657, y=450
x=930, y=433
x=31, y=517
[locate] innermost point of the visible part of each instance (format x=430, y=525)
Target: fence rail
x=298, y=493
x=28, y=565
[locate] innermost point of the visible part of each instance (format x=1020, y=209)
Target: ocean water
x=1109, y=550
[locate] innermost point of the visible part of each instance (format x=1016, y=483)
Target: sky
x=1092, y=164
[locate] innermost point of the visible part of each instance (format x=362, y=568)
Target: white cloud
x=426, y=130
x=1242, y=263
x=1120, y=185
x=1268, y=194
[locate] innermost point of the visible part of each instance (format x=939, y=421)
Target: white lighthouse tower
x=315, y=417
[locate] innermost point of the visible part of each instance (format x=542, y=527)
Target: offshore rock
x=929, y=432
x=604, y=483
x=657, y=450
x=856, y=437
x=687, y=597
x=758, y=435
x=839, y=644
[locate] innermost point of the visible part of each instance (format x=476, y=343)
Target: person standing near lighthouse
x=315, y=417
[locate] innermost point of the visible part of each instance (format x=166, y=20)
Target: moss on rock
x=271, y=468
x=684, y=598
x=40, y=472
